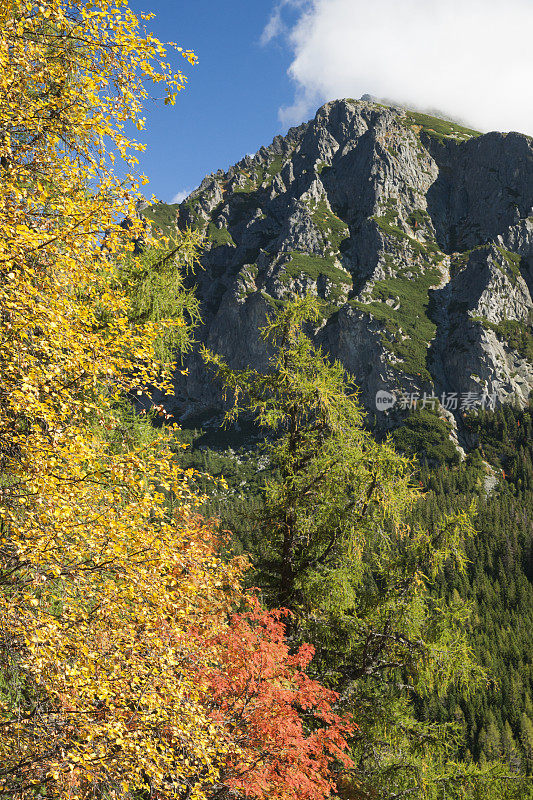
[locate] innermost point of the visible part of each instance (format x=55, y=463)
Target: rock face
x=415, y=232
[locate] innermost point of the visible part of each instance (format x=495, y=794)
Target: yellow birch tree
x=99, y=581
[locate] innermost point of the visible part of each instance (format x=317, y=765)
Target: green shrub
x=425, y=435
x=219, y=236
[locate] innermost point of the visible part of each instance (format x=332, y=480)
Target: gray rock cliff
x=416, y=233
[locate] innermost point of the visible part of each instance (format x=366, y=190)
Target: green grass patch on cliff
x=428, y=250
x=333, y=229
x=518, y=335
x=315, y=266
x=219, y=236
x=513, y=261
x=440, y=129
x=255, y=177
x=407, y=326
x=250, y=185
x=163, y=216
x=387, y=222
x=274, y=167
x=197, y=220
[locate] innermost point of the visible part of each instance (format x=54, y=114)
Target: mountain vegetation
x=498, y=582
x=291, y=601
x=332, y=545
x=129, y=651
x=416, y=233
x=491, y=719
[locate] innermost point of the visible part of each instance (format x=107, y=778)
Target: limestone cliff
x=416, y=233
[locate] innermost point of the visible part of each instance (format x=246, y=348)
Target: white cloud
x=472, y=59
x=179, y=197
x=274, y=27
x=277, y=25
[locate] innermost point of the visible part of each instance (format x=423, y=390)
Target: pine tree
x=526, y=739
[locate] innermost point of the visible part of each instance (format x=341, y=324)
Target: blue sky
x=230, y=105
x=471, y=60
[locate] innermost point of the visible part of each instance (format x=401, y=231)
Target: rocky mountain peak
x=416, y=232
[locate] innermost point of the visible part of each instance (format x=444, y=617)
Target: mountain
x=416, y=232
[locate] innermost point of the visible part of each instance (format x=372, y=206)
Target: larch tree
x=333, y=543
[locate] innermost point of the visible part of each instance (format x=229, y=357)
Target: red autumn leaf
x=282, y=735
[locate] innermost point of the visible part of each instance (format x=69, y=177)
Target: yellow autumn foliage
x=104, y=564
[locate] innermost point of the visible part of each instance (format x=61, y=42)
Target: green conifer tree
x=333, y=544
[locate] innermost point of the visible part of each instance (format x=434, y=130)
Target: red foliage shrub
x=282, y=735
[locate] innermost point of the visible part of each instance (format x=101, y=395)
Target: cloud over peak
x=470, y=58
